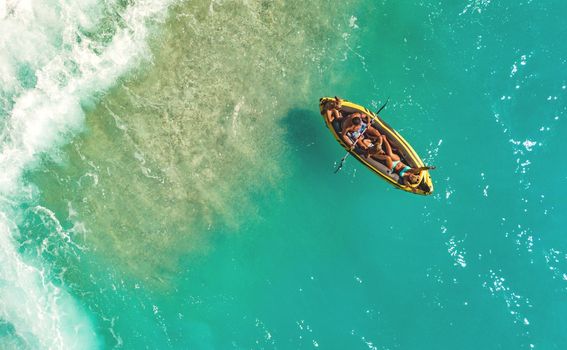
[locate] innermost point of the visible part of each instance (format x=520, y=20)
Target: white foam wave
x=50, y=63
x=41, y=313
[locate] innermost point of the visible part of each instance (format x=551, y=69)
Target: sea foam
x=52, y=61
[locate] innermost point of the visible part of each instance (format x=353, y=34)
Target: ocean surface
x=167, y=182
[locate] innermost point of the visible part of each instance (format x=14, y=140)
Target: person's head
x=338, y=102
x=333, y=104
x=356, y=121
x=413, y=179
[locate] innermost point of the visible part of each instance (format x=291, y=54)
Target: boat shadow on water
x=308, y=141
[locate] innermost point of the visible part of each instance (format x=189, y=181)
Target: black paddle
x=384, y=105
x=342, y=162
x=347, y=154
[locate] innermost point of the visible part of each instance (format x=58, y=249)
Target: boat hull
x=399, y=144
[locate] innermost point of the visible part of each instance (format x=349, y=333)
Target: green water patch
x=183, y=145
x=9, y=338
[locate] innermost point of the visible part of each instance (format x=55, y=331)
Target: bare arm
x=337, y=114
x=329, y=115
x=345, y=137
x=420, y=169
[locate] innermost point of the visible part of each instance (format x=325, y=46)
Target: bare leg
x=383, y=158
x=378, y=154
x=387, y=147
x=388, y=150
x=373, y=132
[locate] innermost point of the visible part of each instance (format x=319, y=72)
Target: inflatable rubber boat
x=399, y=145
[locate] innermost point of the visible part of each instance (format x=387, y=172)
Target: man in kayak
x=332, y=112
x=356, y=128
x=409, y=175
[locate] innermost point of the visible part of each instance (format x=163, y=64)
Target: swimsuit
x=402, y=172
x=394, y=163
x=354, y=135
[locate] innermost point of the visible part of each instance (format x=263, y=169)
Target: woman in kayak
x=332, y=112
x=409, y=175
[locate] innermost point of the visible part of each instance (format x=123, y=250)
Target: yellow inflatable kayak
x=400, y=146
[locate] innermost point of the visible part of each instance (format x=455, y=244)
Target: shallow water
x=167, y=181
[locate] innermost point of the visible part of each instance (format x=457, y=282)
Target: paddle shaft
x=384, y=105
x=348, y=152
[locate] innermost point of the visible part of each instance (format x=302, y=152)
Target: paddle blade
x=383, y=106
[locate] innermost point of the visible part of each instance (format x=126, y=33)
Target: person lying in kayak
x=355, y=129
x=332, y=112
x=409, y=175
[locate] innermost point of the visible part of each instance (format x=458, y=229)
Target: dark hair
x=356, y=120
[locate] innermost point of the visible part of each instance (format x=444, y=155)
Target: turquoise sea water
x=166, y=181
